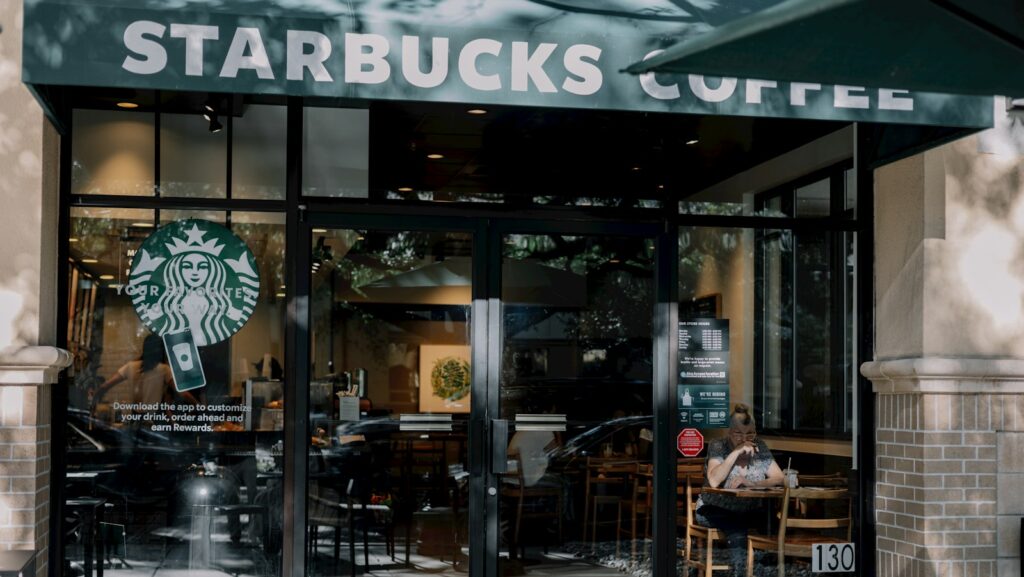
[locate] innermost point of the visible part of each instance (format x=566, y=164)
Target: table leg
x=89, y=537
x=100, y=548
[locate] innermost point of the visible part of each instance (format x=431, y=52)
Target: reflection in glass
x=193, y=160
x=389, y=402
x=189, y=482
x=258, y=146
x=112, y=152
x=336, y=152
x=576, y=389
x=788, y=298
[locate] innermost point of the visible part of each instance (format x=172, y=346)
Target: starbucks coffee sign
x=196, y=276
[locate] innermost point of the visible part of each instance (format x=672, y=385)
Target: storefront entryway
x=519, y=358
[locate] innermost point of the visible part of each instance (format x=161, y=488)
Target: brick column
x=950, y=466
x=26, y=378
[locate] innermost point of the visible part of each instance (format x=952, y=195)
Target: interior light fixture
x=142, y=224
x=215, y=125
x=692, y=141
x=106, y=277
x=319, y=230
x=661, y=187
x=280, y=295
x=636, y=168
x=72, y=239
x=476, y=111
x=435, y=156
x=127, y=105
x=405, y=189
x=614, y=261
x=88, y=261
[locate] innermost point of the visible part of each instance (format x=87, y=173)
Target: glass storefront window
x=389, y=402
x=113, y=152
x=576, y=390
x=187, y=480
x=258, y=151
x=193, y=160
x=336, y=152
x=780, y=302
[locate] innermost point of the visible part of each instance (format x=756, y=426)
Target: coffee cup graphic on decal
x=183, y=356
x=183, y=353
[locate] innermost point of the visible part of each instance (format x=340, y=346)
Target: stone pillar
x=26, y=377
x=948, y=371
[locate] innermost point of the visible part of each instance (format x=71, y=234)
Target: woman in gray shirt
x=738, y=460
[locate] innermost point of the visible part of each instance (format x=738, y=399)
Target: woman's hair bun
x=741, y=408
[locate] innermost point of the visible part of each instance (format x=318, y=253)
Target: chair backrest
x=824, y=521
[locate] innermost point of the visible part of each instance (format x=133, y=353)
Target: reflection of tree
x=619, y=291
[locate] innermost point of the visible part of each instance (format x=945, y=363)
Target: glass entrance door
x=576, y=394
x=390, y=398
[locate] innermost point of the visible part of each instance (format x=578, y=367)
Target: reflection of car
x=133, y=463
x=615, y=433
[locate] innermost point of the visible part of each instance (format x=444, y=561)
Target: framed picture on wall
x=444, y=379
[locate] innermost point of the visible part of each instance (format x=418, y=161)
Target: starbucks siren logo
x=194, y=274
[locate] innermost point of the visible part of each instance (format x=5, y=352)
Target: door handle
x=499, y=446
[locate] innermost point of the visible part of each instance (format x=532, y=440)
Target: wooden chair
x=637, y=502
x=798, y=534
x=526, y=501
x=696, y=531
x=604, y=484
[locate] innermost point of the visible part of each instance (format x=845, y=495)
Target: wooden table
x=779, y=492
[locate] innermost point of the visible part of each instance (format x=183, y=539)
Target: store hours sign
x=194, y=283
x=703, y=389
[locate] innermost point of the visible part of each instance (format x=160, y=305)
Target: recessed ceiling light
x=360, y=237
x=692, y=142
x=88, y=261
x=280, y=295
x=476, y=111
x=72, y=239
x=106, y=277
x=435, y=156
x=282, y=287
x=320, y=230
x=661, y=187
x=405, y=189
x=614, y=261
x=127, y=105
x=142, y=224
x=636, y=168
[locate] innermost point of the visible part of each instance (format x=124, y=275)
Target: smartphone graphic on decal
x=183, y=357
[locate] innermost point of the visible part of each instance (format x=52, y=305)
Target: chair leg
x=632, y=534
x=750, y=560
x=782, y=565
x=709, y=557
x=618, y=530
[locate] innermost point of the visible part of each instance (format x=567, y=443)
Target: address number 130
x=832, y=558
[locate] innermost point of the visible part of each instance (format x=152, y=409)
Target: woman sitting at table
x=738, y=460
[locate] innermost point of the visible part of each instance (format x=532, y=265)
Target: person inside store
x=738, y=460
x=149, y=377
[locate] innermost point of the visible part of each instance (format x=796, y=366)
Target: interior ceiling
x=564, y=152
x=526, y=151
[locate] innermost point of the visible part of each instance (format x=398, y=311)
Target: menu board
x=703, y=390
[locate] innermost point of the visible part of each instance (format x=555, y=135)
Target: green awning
x=950, y=46
x=547, y=53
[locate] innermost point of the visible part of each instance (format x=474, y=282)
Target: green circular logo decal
x=194, y=274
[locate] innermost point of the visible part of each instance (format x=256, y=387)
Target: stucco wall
x=28, y=195
x=950, y=250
